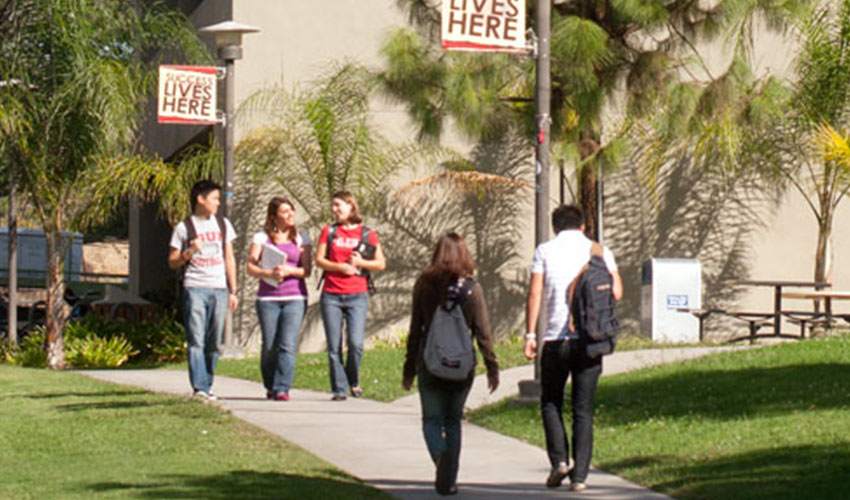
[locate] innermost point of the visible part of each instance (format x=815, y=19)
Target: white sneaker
x=206, y=396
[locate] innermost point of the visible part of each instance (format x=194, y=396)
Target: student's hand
x=197, y=245
x=233, y=301
x=530, y=349
x=493, y=381
x=279, y=272
x=356, y=259
x=407, y=383
x=348, y=269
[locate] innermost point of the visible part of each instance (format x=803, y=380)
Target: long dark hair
x=449, y=262
x=270, y=227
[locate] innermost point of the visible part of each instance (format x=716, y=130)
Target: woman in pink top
x=346, y=251
x=280, y=258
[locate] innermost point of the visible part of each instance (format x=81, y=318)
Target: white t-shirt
x=560, y=260
x=206, y=269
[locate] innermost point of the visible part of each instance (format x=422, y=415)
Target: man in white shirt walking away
x=203, y=244
x=556, y=264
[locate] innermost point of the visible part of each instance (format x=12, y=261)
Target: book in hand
x=270, y=259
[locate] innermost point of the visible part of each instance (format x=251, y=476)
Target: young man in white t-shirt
x=556, y=264
x=209, y=282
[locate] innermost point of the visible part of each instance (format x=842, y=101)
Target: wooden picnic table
x=778, y=285
x=827, y=295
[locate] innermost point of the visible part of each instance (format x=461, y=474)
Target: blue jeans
x=352, y=308
x=442, y=408
x=204, y=311
x=560, y=360
x=280, y=322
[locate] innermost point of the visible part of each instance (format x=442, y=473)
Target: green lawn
x=380, y=372
x=767, y=423
x=64, y=436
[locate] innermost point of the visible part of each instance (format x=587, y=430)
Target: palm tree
x=84, y=69
x=309, y=143
x=629, y=59
x=805, y=149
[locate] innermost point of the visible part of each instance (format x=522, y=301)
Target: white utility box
x=666, y=286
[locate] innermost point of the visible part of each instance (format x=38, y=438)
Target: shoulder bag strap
x=191, y=233
x=331, y=235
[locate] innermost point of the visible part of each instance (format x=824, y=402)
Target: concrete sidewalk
x=382, y=444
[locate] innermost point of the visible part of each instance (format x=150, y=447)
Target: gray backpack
x=448, y=353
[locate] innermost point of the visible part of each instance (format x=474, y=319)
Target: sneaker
x=339, y=397
x=578, y=487
x=558, y=473
x=281, y=396
x=442, y=484
x=269, y=395
x=204, y=395
x=356, y=391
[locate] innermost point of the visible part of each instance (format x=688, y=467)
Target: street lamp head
x=228, y=37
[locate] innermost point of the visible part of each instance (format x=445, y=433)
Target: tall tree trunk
x=55, y=316
x=587, y=199
x=823, y=259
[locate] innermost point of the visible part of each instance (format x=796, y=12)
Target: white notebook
x=271, y=258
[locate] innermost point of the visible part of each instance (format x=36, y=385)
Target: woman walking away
x=347, y=252
x=280, y=258
x=444, y=286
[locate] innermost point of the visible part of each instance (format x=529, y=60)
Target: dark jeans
x=280, y=322
x=560, y=360
x=350, y=308
x=442, y=408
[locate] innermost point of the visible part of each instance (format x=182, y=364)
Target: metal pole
x=542, y=103
x=13, y=266
x=229, y=98
x=230, y=53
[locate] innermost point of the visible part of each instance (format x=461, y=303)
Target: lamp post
x=529, y=390
x=228, y=41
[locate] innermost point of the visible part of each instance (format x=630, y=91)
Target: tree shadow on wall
x=485, y=198
x=685, y=211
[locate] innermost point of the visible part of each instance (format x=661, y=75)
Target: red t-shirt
x=344, y=243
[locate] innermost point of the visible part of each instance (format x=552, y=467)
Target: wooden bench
x=824, y=318
x=755, y=320
x=701, y=315
x=810, y=318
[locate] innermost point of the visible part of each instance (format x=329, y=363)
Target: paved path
x=381, y=443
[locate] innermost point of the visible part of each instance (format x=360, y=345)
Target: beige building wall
x=298, y=42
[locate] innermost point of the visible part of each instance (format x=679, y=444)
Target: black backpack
x=448, y=352
x=592, y=306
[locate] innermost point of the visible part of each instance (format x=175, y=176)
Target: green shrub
x=7, y=351
x=30, y=351
x=156, y=340
x=92, y=351
x=171, y=346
